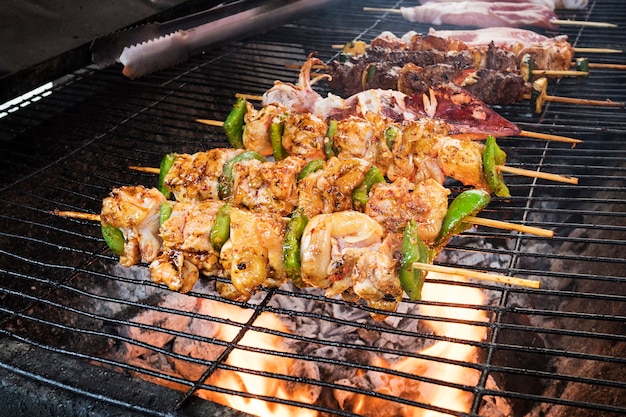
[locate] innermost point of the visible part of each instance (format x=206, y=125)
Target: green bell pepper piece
x=360, y=195
x=413, y=250
x=291, y=246
x=225, y=182
x=113, y=238
x=233, y=125
x=492, y=157
x=468, y=203
x=220, y=231
x=166, y=164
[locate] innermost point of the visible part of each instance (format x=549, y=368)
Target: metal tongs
x=155, y=46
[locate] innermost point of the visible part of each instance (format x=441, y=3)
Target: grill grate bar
x=68, y=149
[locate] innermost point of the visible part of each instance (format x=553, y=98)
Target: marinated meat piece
x=195, y=177
x=252, y=257
x=482, y=14
x=135, y=211
x=187, y=249
x=269, y=187
x=344, y=252
x=330, y=189
x=256, y=136
x=392, y=205
x=303, y=135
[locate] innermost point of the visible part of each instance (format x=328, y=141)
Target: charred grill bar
x=79, y=334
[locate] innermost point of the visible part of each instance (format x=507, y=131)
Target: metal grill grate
x=68, y=312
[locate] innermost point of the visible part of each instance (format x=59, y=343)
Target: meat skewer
x=252, y=253
x=370, y=139
x=485, y=14
x=495, y=74
x=552, y=4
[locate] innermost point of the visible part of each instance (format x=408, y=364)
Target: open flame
x=445, y=370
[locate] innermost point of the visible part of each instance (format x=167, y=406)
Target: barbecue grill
x=81, y=335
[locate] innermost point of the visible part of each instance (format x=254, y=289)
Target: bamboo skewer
x=553, y=21
x=147, y=170
x=470, y=219
x=583, y=101
x=605, y=66
x=578, y=50
x=597, y=51
x=523, y=133
x=501, y=168
x=537, y=174
x=497, y=224
x=77, y=215
x=546, y=136
x=428, y=267
x=539, y=72
x=468, y=273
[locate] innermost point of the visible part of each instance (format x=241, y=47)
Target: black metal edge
x=21, y=82
x=25, y=391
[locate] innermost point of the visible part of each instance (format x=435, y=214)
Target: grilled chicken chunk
x=253, y=255
x=269, y=187
x=330, y=189
x=187, y=250
x=135, y=211
x=392, y=205
x=195, y=177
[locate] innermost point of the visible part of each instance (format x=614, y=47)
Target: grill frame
x=64, y=261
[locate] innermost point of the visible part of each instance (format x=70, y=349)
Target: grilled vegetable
x=527, y=67
x=166, y=165
x=225, y=184
x=291, y=246
x=492, y=157
x=113, y=238
x=538, y=94
x=311, y=167
x=276, y=138
x=582, y=65
x=360, y=195
x=329, y=147
x=391, y=134
x=220, y=231
x=165, y=211
x=466, y=204
x=413, y=250
x=233, y=125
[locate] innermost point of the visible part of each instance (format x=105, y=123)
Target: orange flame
x=435, y=394
x=449, y=321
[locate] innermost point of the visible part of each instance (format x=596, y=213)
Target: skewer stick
x=583, y=101
x=537, y=174
x=547, y=136
x=470, y=219
x=148, y=170
x=497, y=224
x=553, y=21
x=211, y=122
x=77, y=215
x=597, y=51
x=253, y=97
x=582, y=23
x=578, y=50
x=503, y=279
x=605, y=66
x=428, y=267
